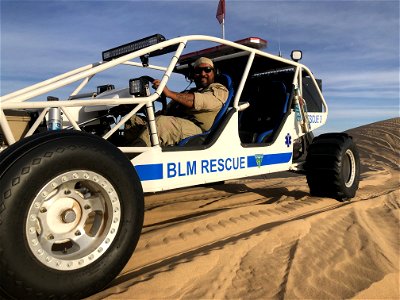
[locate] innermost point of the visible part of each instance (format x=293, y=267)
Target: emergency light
x=252, y=42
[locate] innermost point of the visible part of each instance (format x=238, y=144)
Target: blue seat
x=268, y=106
x=200, y=138
x=265, y=136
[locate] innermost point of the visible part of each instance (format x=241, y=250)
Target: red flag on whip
x=221, y=16
x=221, y=11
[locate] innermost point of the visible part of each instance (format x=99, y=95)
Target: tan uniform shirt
x=207, y=104
x=183, y=122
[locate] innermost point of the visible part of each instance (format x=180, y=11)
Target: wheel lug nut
x=77, y=233
x=68, y=216
x=50, y=237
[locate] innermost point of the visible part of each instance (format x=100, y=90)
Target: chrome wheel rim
x=73, y=220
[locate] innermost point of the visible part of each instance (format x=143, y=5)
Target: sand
x=267, y=238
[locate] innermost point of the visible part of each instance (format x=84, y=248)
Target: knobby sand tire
x=333, y=166
x=71, y=213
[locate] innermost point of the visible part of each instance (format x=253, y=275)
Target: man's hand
x=186, y=99
x=156, y=84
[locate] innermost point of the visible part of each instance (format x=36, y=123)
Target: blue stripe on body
x=155, y=171
x=269, y=159
x=150, y=172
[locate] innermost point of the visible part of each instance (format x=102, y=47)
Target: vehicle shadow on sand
x=267, y=195
x=271, y=194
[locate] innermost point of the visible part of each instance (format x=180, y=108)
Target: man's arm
x=186, y=99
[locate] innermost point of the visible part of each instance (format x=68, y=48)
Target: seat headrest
x=225, y=80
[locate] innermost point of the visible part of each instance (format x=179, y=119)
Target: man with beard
x=189, y=113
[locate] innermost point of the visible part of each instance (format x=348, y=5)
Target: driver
x=189, y=113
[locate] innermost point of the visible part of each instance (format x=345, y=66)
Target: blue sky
x=353, y=46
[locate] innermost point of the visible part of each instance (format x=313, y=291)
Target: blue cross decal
x=288, y=140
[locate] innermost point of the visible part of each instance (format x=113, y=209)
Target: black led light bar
x=132, y=47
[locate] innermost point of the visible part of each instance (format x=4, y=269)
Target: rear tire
x=333, y=166
x=71, y=213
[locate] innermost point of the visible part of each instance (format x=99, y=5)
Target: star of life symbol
x=259, y=158
x=288, y=140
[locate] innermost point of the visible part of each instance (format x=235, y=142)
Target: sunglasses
x=207, y=70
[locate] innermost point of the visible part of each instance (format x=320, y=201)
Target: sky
x=353, y=46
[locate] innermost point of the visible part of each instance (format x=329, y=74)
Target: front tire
x=71, y=213
x=333, y=166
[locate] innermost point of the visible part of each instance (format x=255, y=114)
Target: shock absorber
x=55, y=119
x=300, y=108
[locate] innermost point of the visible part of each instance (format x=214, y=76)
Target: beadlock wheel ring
x=73, y=220
x=350, y=168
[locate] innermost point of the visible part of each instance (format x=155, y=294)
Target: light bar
x=132, y=47
x=253, y=42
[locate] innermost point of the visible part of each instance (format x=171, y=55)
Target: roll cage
x=244, y=64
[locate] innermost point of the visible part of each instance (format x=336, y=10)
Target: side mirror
x=296, y=55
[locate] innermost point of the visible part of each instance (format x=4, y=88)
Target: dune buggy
x=72, y=205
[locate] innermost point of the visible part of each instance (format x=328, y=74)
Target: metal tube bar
x=123, y=120
x=296, y=77
x=301, y=81
x=134, y=149
x=70, y=118
x=171, y=67
x=152, y=124
x=243, y=80
x=9, y=97
x=37, y=122
x=94, y=102
x=136, y=64
x=81, y=86
x=81, y=96
x=6, y=128
x=149, y=106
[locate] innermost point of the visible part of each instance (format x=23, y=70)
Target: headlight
x=139, y=87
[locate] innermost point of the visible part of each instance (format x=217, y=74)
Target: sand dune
x=266, y=238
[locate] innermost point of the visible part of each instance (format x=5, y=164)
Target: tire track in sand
x=165, y=249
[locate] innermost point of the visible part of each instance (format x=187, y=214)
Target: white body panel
x=226, y=159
